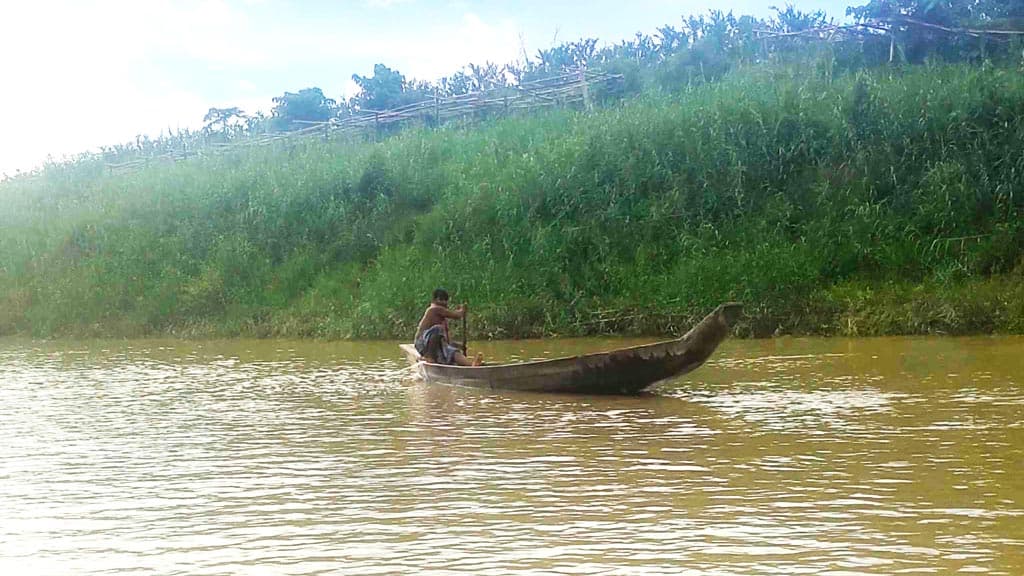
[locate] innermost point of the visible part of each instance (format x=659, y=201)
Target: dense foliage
x=884, y=201
x=698, y=49
x=870, y=184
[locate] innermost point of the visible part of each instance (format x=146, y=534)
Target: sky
x=79, y=74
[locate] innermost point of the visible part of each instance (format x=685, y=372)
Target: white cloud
x=443, y=50
x=83, y=74
x=386, y=3
x=350, y=89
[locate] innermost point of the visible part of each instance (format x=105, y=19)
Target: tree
x=306, y=105
x=218, y=119
x=670, y=41
x=382, y=91
x=257, y=123
x=926, y=28
x=973, y=13
x=455, y=85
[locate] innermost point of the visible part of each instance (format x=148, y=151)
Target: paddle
x=465, y=336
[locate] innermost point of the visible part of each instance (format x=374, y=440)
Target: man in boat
x=432, y=340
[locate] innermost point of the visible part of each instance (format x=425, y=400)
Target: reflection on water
x=875, y=456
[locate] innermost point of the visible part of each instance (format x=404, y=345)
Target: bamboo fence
x=887, y=27
x=572, y=87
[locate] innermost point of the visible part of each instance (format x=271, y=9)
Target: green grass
x=877, y=203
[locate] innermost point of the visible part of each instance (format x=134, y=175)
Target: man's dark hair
x=440, y=294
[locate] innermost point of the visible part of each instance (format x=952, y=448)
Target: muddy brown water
x=783, y=456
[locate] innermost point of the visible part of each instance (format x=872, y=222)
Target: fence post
x=437, y=108
x=587, y=104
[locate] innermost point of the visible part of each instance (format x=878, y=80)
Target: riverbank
x=884, y=202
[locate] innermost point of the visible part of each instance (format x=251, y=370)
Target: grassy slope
x=888, y=202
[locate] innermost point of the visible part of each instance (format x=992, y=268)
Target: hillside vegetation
x=882, y=202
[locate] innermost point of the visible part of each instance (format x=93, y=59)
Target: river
x=782, y=456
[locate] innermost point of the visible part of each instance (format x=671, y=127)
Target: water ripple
x=295, y=458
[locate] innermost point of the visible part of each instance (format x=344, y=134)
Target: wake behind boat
x=624, y=371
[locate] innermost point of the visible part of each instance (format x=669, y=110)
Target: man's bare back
x=438, y=314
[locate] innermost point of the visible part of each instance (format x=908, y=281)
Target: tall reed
x=860, y=204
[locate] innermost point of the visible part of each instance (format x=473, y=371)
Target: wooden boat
x=623, y=371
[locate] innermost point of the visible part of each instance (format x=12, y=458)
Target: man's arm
x=457, y=313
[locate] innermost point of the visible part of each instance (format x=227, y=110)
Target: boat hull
x=623, y=371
